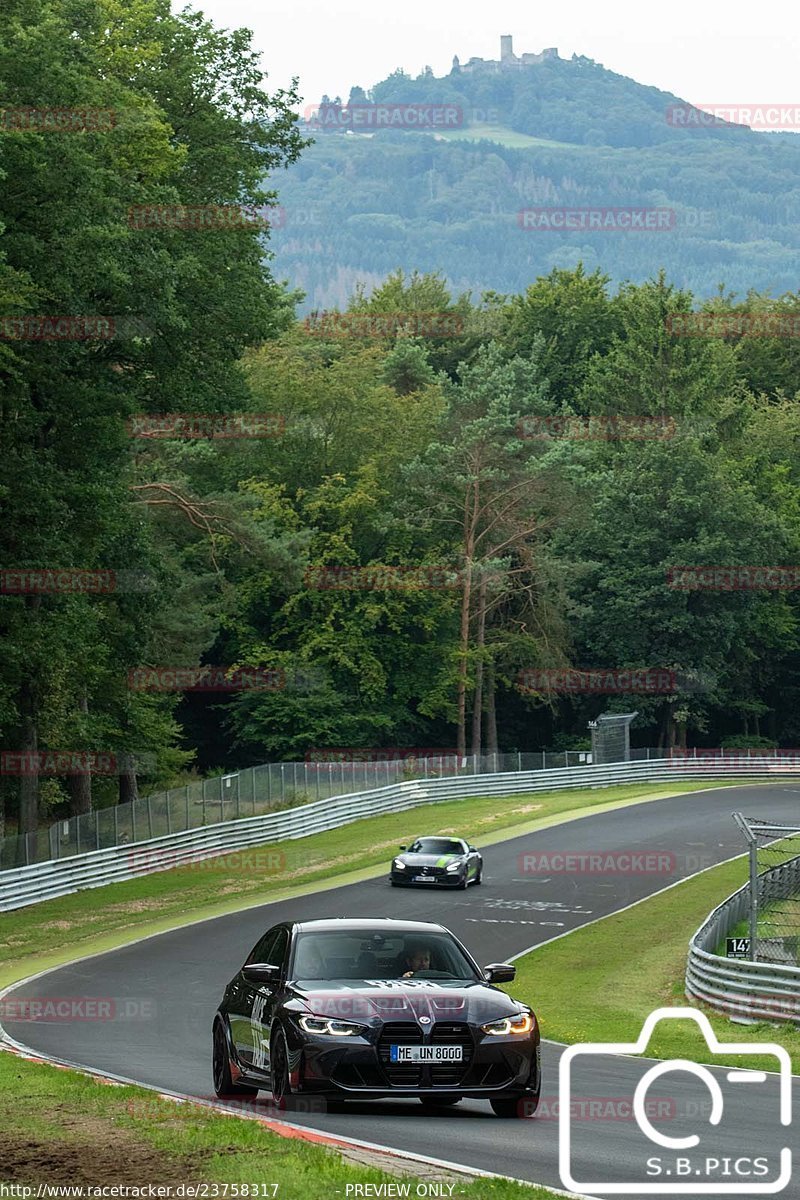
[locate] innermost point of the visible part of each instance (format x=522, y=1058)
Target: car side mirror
x=404, y=847
x=473, y=849
x=500, y=972
x=264, y=974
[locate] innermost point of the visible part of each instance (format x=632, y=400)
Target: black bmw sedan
x=355, y=1009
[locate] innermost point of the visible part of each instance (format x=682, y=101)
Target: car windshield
x=368, y=954
x=432, y=845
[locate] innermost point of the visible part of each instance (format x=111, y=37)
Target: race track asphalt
x=167, y=988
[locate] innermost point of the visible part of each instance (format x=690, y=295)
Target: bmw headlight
x=328, y=1026
x=521, y=1023
x=398, y=866
x=453, y=867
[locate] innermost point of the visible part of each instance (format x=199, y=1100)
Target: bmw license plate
x=426, y=1054
x=424, y=879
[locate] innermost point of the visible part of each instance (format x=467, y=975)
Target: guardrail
x=750, y=990
x=22, y=886
x=256, y=791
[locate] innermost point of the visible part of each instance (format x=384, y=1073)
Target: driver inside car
x=418, y=958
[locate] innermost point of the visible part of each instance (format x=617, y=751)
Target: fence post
x=752, y=899
x=221, y=798
x=543, y=762
x=203, y=790
x=149, y=818
x=169, y=818
x=187, y=826
x=97, y=828
x=283, y=783
x=116, y=825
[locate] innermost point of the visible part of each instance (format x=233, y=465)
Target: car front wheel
x=223, y=1080
x=279, y=1069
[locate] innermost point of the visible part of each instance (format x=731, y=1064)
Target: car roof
x=440, y=837
x=384, y=924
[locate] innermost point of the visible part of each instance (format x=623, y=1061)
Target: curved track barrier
x=22, y=886
x=749, y=990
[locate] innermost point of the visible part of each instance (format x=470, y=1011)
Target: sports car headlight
x=453, y=867
x=328, y=1026
x=522, y=1023
x=399, y=866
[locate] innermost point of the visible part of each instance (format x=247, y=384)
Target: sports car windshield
x=365, y=955
x=434, y=845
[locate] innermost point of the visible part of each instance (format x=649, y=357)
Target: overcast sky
x=712, y=52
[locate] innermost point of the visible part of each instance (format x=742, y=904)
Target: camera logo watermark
x=559, y=219
x=664, y=1174
x=206, y=679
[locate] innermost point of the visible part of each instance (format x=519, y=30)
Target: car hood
x=430, y=860
x=403, y=1000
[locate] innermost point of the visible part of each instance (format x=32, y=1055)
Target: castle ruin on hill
x=508, y=59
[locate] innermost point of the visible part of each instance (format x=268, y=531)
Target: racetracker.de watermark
x=756, y=116
x=56, y=120
x=198, y=216
x=598, y=862
x=762, y=323
x=72, y=762
x=365, y=115
x=64, y=581
x=240, y=862
x=733, y=579
x=206, y=425
x=53, y=1009
x=79, y=328
x=355, y=754
x=610, y=681
x=607, y=427
x=382, y=577
x=558, y=219
x=206, y=679
x=143, y=1109
x=384, y=325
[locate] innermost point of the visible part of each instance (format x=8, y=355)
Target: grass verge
x=63, y=1127
x=57, y=931
x=601, y=982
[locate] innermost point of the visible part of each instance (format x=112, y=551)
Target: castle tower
x=506, y=47
x=456, y=63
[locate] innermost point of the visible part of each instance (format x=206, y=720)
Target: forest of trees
x=380, y=446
